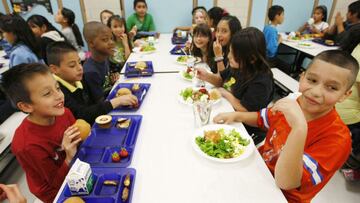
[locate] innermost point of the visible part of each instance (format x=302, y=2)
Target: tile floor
x=337, y=190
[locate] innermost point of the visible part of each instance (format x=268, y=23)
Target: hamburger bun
x=141, y=65
x=104, y=121
x=74, y=200
x=83, y=127
x=329, y=42
x=123, y=91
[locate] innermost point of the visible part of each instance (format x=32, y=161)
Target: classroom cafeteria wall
x=168, y=14
x=328, y=4
x=206, y=3
x=259, y=9
x=296, y=13
x=2, y=8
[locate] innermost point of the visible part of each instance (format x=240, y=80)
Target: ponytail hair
x=70, y=16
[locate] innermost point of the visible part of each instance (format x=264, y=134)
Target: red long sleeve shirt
x=38, y=150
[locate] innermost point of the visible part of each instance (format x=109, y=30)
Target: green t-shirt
x=145, y=26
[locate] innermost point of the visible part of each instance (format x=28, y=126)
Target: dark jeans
x=353, y=161
x=355, y=136
x=6, y=110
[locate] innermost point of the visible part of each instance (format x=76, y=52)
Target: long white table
x=284, y=81
x=169, y=169
x=162, y=60
x=313, y=50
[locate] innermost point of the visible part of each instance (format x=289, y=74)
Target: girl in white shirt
x=317, y=24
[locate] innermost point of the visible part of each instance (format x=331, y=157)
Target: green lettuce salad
x=221, y=144
x=147, y=48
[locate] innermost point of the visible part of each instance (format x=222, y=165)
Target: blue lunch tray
x=322, y=42
x=105, y=193
x=131, y=71
x=140, y=94
x=150, y=33
x=177, y=50
x=178, y=40
x=102, y=142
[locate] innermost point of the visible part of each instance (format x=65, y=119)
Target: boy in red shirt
x=45, y=142
x=306, y=141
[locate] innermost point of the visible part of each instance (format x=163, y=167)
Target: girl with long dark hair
x=45, y=32
x=225, y=30
x=202, y=45
x=25, y=47
x=248, y=83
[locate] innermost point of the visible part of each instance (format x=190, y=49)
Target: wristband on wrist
x=218, y=58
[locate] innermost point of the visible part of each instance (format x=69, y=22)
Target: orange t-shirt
x=327, y=147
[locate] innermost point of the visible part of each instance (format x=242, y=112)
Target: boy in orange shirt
x=46, y=140
x=306, y=141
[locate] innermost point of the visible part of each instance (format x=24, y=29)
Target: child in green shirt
x=122, y=47
x=140, y=20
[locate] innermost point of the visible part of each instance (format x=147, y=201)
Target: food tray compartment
x=177, y=50
x=105, y=193
x=140, y=94
x=131, y=71
x=113, y=136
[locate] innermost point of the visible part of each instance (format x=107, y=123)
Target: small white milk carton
x=79, y=178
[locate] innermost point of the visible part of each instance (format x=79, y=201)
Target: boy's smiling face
x=70, y=68
x=103, y=43
x=322, y=86
x=47, y=100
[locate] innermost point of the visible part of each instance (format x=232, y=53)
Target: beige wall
x=239, y=8
x=94, y=7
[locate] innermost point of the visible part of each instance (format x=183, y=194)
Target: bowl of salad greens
x=190, y=95
x=182, y=60
x=145, y=49
x=187, y=74
x=223, y=143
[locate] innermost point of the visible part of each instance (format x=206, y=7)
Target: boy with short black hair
x=45, y=142
x=96, y=68
x=307, y=142
x=65, y=63
x=272, y=38
x=341, y=28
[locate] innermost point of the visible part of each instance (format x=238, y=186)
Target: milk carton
x=79, y=178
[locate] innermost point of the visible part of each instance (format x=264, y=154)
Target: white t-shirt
x=321, y=26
